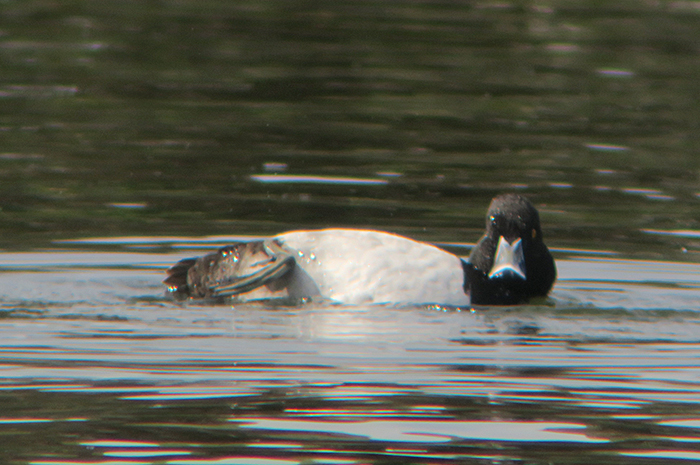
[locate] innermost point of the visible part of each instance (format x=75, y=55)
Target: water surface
x=138, y=133
x=99, y=363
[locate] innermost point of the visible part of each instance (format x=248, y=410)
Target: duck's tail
x=177, y=278
x=232, y=270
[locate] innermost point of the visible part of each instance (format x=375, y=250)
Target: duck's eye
x=534, y=233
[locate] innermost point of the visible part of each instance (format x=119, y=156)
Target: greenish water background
x=131, y=131
x=590, y=108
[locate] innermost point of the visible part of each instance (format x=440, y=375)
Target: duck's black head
x=511, y=263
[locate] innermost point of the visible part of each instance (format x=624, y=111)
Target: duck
x=510, y=265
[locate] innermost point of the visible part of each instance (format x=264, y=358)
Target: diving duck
x=509, y=265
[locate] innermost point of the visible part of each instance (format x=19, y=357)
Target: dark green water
x=162, y=122
x=588, y=107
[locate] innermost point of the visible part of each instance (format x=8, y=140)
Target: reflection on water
x=284, y=178
x=94, y=358
x=429, y=431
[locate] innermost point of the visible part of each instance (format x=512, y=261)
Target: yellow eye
x=534, y=233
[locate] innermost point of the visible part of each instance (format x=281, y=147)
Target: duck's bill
x=509, y=261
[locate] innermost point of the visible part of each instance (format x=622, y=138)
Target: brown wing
x=235, y=269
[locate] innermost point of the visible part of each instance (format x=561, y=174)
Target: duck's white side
x=509, y=266
x=358, y=266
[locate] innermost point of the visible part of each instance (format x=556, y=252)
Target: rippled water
x=99, y=367
x=134, y=134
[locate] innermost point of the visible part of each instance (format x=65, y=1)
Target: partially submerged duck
x=509, y=265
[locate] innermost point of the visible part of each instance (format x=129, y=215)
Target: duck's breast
x=357, y=266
